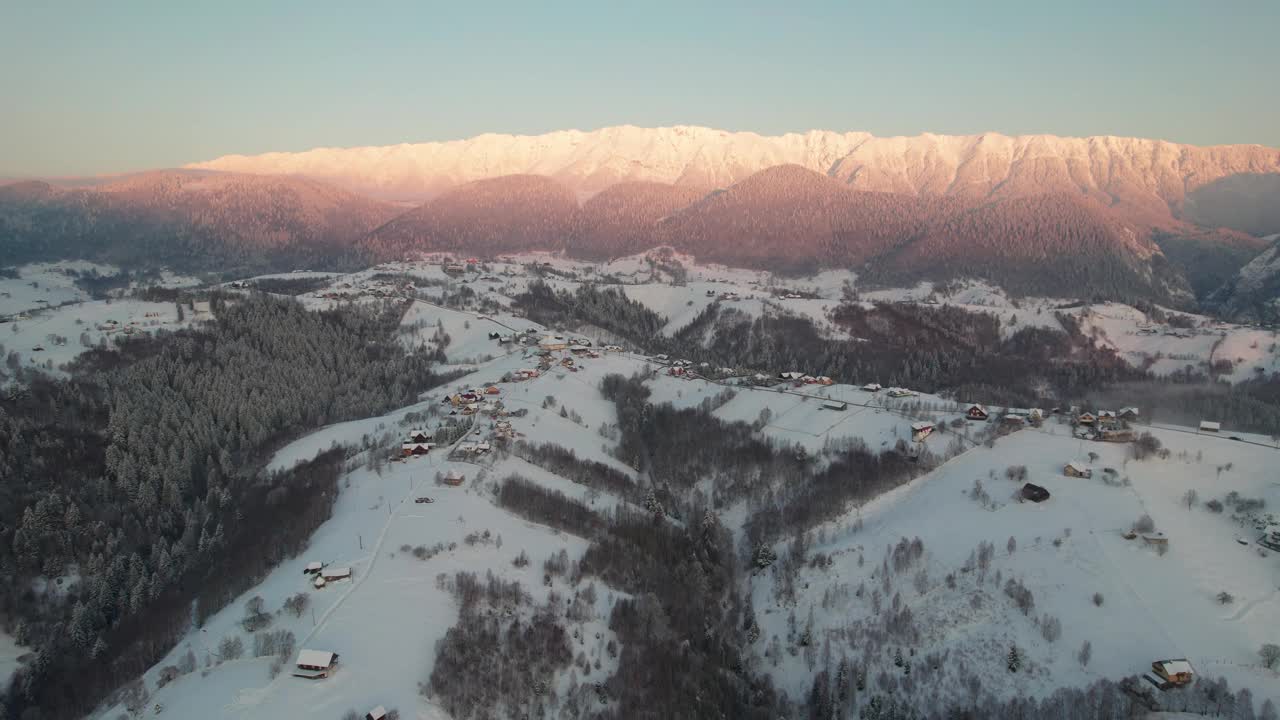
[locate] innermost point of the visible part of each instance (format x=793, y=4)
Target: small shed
x=315, y=664
x=1034, y=493
x=835, y=405
x=378, y=713
x=313, y=568
x=1155, y=539
x=335, y=574
x=1075, y=468
x=1210, y=426
x=871, y=387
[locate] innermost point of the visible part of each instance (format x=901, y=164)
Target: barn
x=315, y=664
x=1075, y=468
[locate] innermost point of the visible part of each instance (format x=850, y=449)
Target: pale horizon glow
x=95, y=88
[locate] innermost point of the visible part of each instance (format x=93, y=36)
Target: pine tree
x=1014, y=659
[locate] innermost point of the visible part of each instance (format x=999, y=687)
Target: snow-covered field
x=43, y=285
x=52, y=337
x=1168, y=349
x=1065, y=550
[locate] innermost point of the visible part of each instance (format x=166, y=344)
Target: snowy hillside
x=924, y=589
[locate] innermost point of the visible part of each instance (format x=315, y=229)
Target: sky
x=93, y=87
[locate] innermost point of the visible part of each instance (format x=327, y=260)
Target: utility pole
x=361, y=541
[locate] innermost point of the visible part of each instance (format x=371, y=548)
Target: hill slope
x=187, y=219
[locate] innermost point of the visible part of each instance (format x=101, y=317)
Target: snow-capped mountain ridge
x=1151, y=174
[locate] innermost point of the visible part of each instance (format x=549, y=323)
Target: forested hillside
x=133, y=503
x=190, y=221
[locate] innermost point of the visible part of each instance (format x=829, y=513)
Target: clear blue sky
x=97, y=87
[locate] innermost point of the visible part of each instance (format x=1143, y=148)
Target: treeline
x=191, y=222
x=923, y=347
x=681, y=648
x=853, y=475
x=498, y=659
x=141, y=472
x=609, y=308
x=678, y=448
x=289, y=285
x=566, y=463
x=1250, y=406
x=533, y=502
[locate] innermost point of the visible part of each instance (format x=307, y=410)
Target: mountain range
x=1100, y=215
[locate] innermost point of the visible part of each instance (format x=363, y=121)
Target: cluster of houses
x=473, y=448
x=477, y=400
x=373, y=289
x=800, y=378
x=525, y=374
x=417, y=442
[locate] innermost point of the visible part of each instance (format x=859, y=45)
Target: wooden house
x=552, y=342
x=1117, y=435
x=921, y=430
x=454, y=478
x=1106, y=417
x=1086, y=418
x=1034, y=493
x=976, y=412
x=315, y=664
x=1013, y=420
x=871, y=387
x=418, y=435
x=410, y=449
x=835, y=405
x=1129, y=413
x=1177, y=672
x=1075, y=468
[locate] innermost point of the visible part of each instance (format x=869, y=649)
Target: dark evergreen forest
x=133, y=491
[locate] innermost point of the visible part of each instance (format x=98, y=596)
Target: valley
x=824, y=603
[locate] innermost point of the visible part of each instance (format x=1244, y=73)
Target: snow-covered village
x=573, y=498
